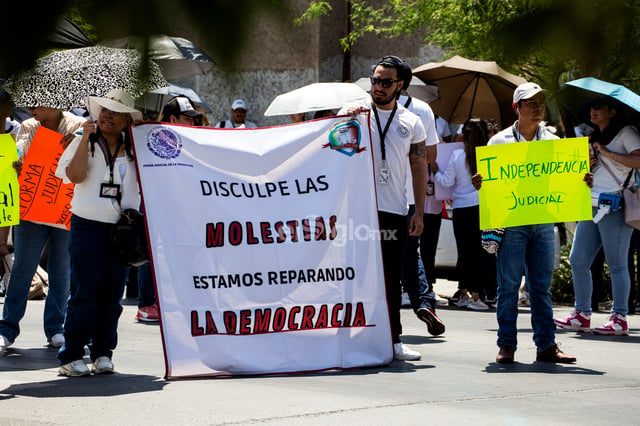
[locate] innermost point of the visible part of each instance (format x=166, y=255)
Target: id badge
x=109, y=190
x=430, y=188
x=384, y=176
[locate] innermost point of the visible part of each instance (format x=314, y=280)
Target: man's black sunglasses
x=385, y=82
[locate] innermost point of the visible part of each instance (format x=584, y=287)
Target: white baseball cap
x=239, y=104
x=526, y=91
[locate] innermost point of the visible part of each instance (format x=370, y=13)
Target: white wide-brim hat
x=116, y=100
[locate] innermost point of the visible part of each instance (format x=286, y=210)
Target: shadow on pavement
x=540, y=367
x=28, y=359
x=89, y=386
x=413, y=339
x=631, y=338
x=394, y=367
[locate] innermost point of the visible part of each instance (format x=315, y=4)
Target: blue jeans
x=614, y=236
x=29, y=240
x=533, y=246
x=97, y=285
x=146, y=291
x=414, y=279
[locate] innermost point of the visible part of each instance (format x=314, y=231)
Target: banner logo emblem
x=345, y=138
x=164, y=143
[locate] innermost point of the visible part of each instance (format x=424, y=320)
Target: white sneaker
x=74, y=369
x=441, y=301
x=4, y=343
x=103, y=365
x=57, y=340
x=477, y=305
x=404, y=353
x=463, y=302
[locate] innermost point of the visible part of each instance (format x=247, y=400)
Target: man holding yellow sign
x=517, y=195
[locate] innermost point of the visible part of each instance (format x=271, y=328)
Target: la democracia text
x=281, y=319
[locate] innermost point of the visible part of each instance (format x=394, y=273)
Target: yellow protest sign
x=9, y=190
x=537, y=182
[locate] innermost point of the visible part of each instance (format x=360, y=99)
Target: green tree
x=547, y=41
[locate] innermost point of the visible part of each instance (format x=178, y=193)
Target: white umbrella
x=155, y=99
x=417, y=89
x=316, y=97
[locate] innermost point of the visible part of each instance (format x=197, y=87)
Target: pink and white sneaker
x=578, y=321
x=148, y=314
x=617, y=326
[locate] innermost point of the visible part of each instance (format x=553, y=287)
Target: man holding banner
x=396, y=134
x=30, y=238
x=527, y=248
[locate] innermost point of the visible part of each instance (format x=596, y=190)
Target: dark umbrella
x=471, y=89
x=177, y=57
x=65, y=78
x=575, y=94
x=66, y=34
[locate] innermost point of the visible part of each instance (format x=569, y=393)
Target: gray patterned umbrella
x=177, y=57
x=65, y=78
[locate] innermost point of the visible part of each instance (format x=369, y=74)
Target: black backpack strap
x=409, y=99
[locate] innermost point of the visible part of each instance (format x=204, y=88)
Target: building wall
x=280, y=57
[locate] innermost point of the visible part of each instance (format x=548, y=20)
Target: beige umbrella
x=471, y=89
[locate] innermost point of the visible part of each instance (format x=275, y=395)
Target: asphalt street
x=457, y=381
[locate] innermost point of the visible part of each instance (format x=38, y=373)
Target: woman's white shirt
x=457, y=175
x=626, y=141
x=86, y=201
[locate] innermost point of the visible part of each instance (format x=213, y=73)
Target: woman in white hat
x=100, y=164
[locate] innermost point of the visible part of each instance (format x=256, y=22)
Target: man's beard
x=385, y=101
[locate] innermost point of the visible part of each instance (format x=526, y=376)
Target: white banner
x=265, y=247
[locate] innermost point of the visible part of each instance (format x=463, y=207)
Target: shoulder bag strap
x=626, y=181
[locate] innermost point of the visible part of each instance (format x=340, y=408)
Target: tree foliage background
x=546, y=41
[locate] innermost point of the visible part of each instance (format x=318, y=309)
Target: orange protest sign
x=9, y=209
x=43, y=196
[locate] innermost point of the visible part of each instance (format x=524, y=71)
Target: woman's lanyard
x=111, y=159
x=383, y=133
x=111, y=190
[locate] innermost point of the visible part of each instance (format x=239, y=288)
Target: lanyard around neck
x=383, y=133
x=111, y=158
x=516, y=132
